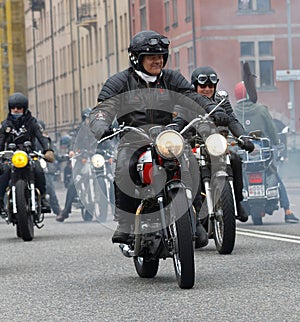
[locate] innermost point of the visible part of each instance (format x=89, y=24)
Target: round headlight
x=169, y=144
x=20, y=159
x=98, y=160
x=216, y=144
x=43, y=163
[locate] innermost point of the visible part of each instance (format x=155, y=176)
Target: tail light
x=255, y=178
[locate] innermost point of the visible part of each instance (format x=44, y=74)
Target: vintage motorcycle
x=215, y=203
x=102, y=166
x=164, y=224
x=93, y=180
x=23, y=200
x=261, y=186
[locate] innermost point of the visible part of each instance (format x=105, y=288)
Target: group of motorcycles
x=166, y=221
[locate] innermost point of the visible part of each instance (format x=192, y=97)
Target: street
x=72, y=272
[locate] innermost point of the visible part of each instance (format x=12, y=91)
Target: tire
x=102, y=209
x=24, y=217
x=224, y=226
x=181, y=231
x=18, y=231
x=257, y=220
x=146, y=268
x=86, y=215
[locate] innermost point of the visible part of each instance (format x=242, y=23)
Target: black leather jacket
x=136, y=103
x=234, y=125
x=30, y=132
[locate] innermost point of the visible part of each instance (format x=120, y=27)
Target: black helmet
x=203, y=75
x=18, y=100
x=147, y=42
x=85, y=113
x=42, y=125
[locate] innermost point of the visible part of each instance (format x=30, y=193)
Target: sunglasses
x=16, y=107
x=210, y=85
x=212, y=78
x=165, y=42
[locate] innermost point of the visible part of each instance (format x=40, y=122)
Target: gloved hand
x=107, y=132
x=220, y=118
x=49, y=156
x=248, y=145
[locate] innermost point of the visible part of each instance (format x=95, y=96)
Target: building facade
x=12, y=52
x=72, y=47
x=266, y=33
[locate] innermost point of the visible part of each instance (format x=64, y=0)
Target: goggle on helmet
x=147, y=43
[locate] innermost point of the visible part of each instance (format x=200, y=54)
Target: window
x=177, y=61
x=188, y=5
x=143, y=15
x=175, y=13
x=254, y=5
x=190, y=60
x=167, y=15
x=259, y=55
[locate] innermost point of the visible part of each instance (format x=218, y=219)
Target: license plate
x=256, y=191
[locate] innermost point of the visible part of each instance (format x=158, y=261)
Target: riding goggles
x=165, y=42
x=211, y=78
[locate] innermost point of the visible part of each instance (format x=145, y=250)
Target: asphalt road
x=72, y=272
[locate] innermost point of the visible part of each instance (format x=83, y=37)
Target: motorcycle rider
x=148, y=54
x=19, y=120
x=255, y=116
x=205, y=81
x=85, y=143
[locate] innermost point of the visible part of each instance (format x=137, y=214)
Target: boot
x=241, y=213
x=2, y=211
x=45, y=204
x=122, y=233
x=62, y=216
x=202, y=237
x=289, y=217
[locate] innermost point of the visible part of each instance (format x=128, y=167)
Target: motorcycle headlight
x=43, y=163
x=216, y=144
x=98, y=160
x=20, y=159
x=169, y=144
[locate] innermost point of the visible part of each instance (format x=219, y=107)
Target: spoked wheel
x=224, y=222
x=24, y=217
x=146, y=268
x=180, y=231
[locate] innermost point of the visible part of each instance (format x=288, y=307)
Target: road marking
x=268, y=235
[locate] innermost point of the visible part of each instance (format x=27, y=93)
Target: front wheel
x=181, y=233
x=224, y=220
x=146, y=268
x=24, y=217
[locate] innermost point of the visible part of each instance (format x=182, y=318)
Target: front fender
x=178, y=184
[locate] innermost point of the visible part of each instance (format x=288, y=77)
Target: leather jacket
x=137, y=103
x=25, y=128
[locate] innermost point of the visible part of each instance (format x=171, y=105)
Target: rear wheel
x=224, y=221
x=257, y=216
x=181, y=233
x=24, y=216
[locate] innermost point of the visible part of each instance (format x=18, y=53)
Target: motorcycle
x=84, y=184
x=164, y=225
x=102, y=166
x=217, y=210
x=261, y=186
x=23, y=200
